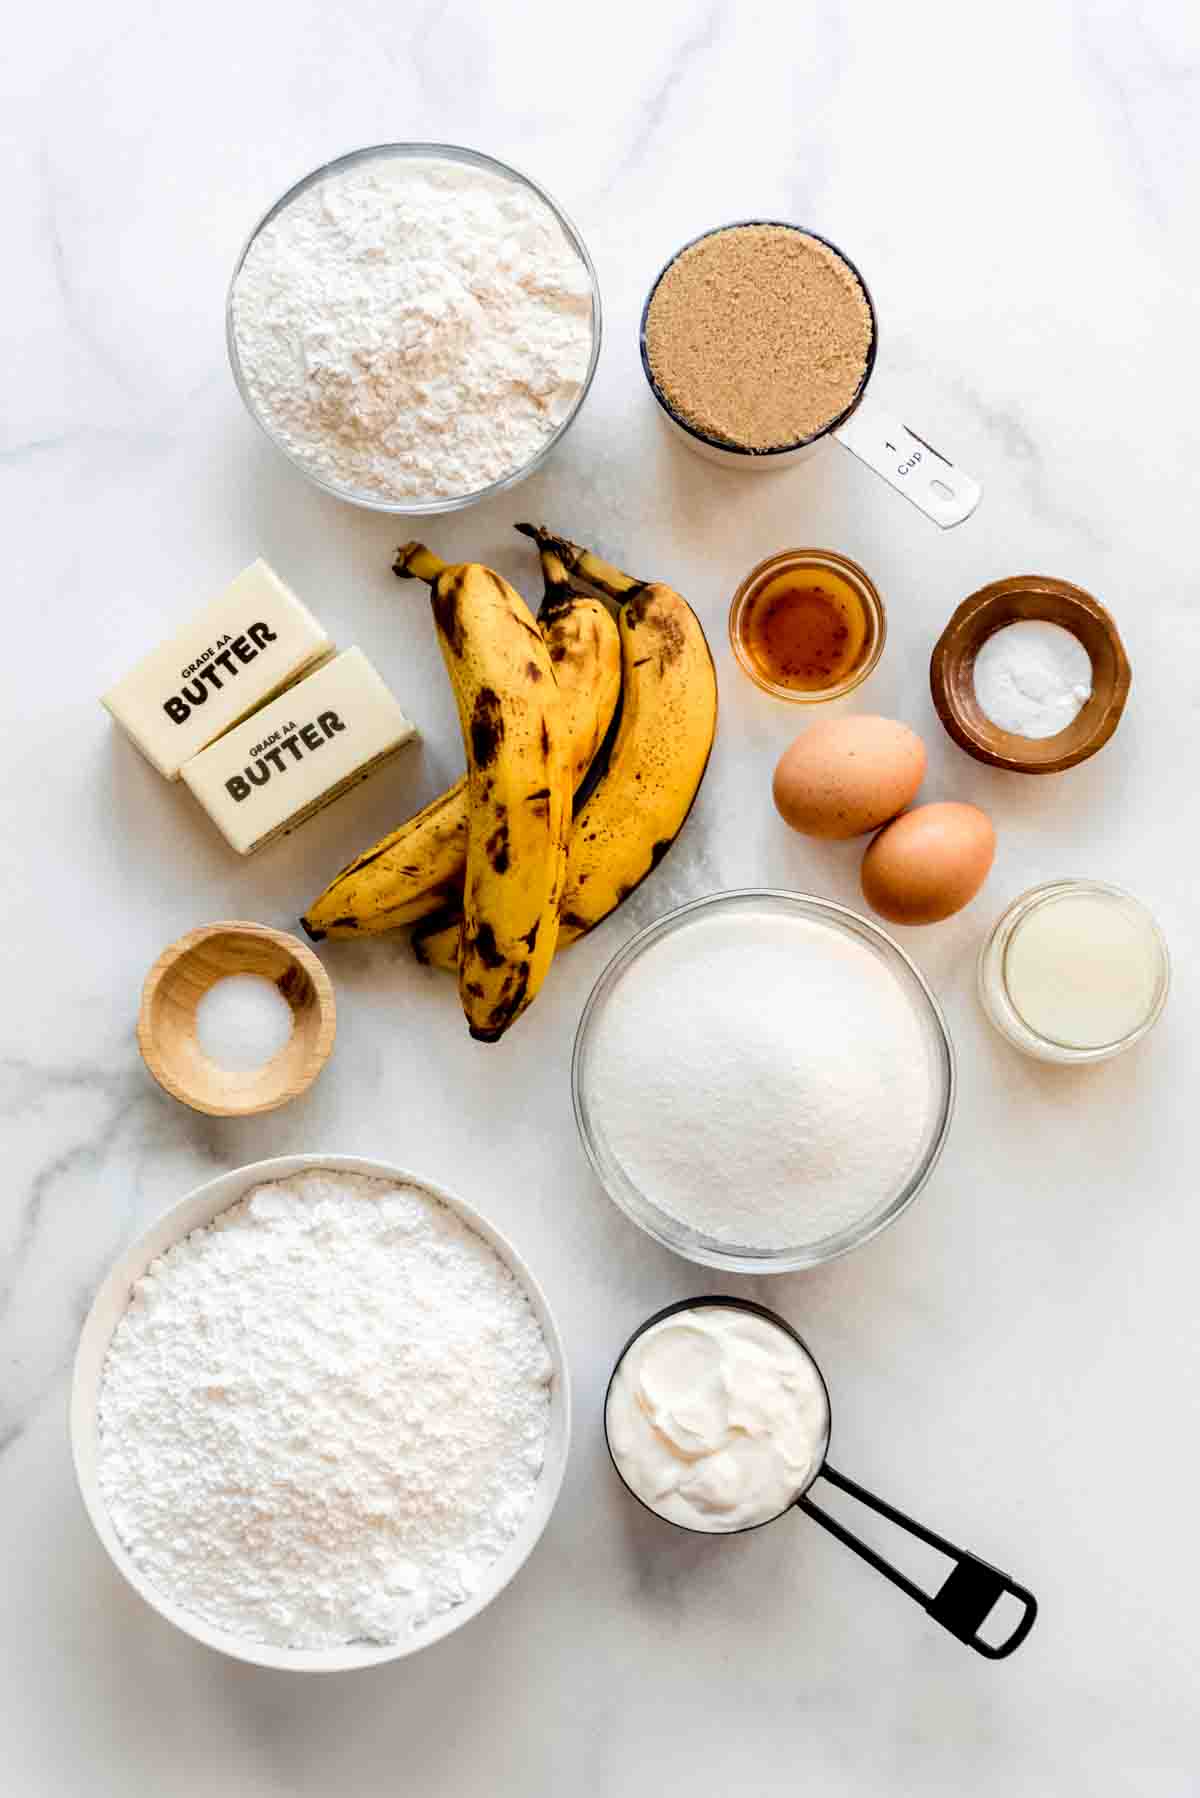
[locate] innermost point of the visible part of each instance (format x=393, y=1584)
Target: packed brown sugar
x=759, y=336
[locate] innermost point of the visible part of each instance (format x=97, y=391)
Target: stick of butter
x=239, y=650
x=323, y=735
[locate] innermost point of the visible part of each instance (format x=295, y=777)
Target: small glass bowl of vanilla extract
x=807, y=625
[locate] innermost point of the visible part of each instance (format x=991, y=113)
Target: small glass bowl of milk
x=1074, y=971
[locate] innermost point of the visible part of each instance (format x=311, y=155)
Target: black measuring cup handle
x=967, y=1594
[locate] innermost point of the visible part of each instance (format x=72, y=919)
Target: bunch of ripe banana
x=559, y=816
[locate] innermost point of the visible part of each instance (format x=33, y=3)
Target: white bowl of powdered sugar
x=763, y=1080
x=320, y=1413
x=415, y=326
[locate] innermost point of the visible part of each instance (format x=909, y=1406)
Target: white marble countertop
x=1017, y=1359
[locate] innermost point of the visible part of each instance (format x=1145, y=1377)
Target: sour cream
x=717, y=1419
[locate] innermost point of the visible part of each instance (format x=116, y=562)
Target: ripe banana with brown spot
x=518, y=785
x=663, y=741
x=414, y=870
x=418, y=869
x=585, y=653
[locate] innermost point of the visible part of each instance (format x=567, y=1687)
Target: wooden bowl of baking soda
x=1031, y=675
x=236, y=1019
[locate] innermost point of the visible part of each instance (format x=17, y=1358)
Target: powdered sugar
x=323, y=1417
x=762, y=1079
x=413, y=328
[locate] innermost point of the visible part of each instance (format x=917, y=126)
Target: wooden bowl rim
x=301, y=957
x=949, y=649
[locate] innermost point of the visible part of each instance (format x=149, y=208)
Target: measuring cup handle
x=967, y=1594
x=909, y=464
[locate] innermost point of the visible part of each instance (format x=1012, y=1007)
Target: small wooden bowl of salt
x=236, y=1019
x=1030, y=679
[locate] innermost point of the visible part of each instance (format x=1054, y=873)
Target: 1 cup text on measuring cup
x=907, y=466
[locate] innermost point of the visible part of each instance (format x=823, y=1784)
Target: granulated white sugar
x=322, y=1418
x=762, y=1079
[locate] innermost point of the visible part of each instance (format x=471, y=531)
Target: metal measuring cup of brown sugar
x=971, y=1588
x=894, y=451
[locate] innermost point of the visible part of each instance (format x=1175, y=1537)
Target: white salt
x=242, y=1021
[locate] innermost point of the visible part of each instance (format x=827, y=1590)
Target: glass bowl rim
x=806, y=558
x=412, y=151
x=992, y=981
x=705, y=1251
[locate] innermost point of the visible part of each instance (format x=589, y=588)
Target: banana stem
x=559, y=588
x=582, y=561
x=554, y=573
x=415, y=562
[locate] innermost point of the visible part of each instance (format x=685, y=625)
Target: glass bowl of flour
x=762, y=1080
x=415, y=326
x=320, y=1413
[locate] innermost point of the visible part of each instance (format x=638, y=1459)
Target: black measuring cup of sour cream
x=971, y=1588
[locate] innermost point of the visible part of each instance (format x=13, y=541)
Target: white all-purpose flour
x=322, y=1418
x=413, y=329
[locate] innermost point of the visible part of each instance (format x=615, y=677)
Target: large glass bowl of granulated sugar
x=762, y=1080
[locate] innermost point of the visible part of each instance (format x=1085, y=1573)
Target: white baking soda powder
x=1032, y=678
x=762, y=1079
x=323, y=1417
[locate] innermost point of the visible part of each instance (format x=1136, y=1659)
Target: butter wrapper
x=241, y=649
x=298, y=753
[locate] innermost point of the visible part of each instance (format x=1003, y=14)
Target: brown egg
x=928, y=864
x=845, y=776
